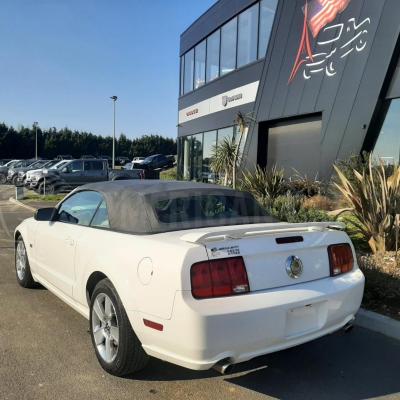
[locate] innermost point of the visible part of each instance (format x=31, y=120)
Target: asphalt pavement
x=46, y=353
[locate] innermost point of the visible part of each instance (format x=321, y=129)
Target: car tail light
x=340, y=258
x=219, y=278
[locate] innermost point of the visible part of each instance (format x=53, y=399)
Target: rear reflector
x=340, y=258
x=153, y=325
x=219, y=278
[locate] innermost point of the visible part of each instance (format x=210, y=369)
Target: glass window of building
x=200, y=65
x=209, y=143
x=387, y=148
x=267, y=15
x=182, y=74
x=186, y=162
x=213, y=42
x=189, y=69
x=228, y=47
x=226, y=133
x=247, y=36
x=197, y=157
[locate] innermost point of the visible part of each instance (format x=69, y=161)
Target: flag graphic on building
x=317, y=14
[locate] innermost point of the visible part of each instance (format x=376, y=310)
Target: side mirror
x=65, y=170
x=45, y=214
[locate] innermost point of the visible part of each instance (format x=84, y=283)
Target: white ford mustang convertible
x=194, y=274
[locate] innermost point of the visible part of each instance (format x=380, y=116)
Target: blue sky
x=60, y=60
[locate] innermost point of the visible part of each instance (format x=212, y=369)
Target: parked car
x=64, y=157
x=4, y=161
x=34, y=176
x=193, y=274
x=138, y=160
x=122, y=160
x=12, y=174
x=79, y=172
x=156, y=161
x=4, y=170
x=21, y=172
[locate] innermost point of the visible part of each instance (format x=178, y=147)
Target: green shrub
x=291, y=209
x=375, y=200
x=265, y=184
x=302, y=185
x=169, y=174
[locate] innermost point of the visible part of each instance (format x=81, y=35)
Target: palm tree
x=243, y=122
x=223, y=157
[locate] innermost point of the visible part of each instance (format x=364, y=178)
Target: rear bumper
x=202, y=333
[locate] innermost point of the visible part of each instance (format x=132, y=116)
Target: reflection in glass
x=213, y=56
x=181, y=81
x=247, y=36
x=189, y=67
x=387, y=148
x=209, y=142
x=228, y=47
x=200, y=65
x=226, y=133
x=267, y=15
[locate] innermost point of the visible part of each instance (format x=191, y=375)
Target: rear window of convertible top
x=205, y=208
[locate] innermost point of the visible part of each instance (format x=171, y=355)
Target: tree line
x=20, y=143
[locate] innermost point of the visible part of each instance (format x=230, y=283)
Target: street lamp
x=114, y=99
x=35, y=124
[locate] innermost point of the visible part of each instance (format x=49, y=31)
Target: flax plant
x=374, y=195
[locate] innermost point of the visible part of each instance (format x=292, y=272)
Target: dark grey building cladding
x=346, y=89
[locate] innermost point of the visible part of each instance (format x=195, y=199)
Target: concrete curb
x=378, y=323
x=17, y=202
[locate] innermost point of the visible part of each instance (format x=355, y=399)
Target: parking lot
x=46, y=353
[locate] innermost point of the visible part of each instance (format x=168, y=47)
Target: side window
x=93, y=165
x=80, y=208
x=100, y=219
x=75, y=166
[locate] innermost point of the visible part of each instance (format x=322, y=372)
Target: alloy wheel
x=21, y=260
x=105, y=327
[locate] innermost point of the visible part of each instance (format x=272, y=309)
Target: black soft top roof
x=130, y=204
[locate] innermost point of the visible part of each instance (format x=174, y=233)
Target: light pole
x=114, y=99
x=35, y=124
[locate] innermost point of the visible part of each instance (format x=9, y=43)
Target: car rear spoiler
x=266, y=229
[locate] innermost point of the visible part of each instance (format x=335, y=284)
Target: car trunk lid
x=275, y=255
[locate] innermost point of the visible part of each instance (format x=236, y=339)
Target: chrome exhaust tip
x=223, y=367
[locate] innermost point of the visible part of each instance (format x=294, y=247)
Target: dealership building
x=319, y=79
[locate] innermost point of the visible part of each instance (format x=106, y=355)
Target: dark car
x=122, y=160
x=156, y=161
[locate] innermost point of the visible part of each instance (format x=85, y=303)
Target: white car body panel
x=151, y=274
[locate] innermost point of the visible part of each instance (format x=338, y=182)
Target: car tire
x=117, y=348
x=3, y=179
x=22, y=267
x=14, y=180
x=50, y=188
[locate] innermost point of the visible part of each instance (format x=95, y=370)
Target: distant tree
x=20, y=143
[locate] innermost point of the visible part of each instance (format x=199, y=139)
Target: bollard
x=19, y=193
